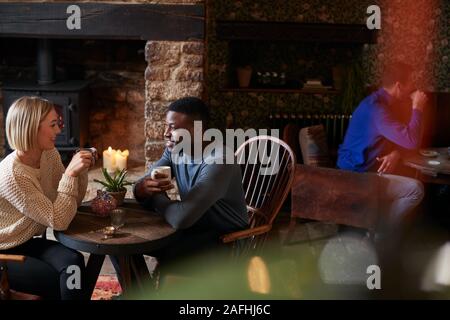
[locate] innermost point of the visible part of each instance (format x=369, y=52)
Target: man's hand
x=419, y=100
x=388, y=162
x=149, y=186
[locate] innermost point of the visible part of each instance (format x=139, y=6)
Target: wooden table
x=142, y=233
x=426, y=172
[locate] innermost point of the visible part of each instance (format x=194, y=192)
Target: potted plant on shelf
x=243, y=60
x=115, y=185
x=244, y=75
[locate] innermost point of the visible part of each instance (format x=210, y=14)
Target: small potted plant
x=244, y=75
x=115, y=185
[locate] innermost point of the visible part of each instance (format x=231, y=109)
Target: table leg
x=133, y=271
x=93, y=267
x=125, y=272
x=140, y=271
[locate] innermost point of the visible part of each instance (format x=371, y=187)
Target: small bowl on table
x=428, y=153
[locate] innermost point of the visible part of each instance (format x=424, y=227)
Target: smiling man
x=376, y=137
x=212, y=197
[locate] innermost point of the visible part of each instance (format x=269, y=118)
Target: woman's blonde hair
x=23, y=119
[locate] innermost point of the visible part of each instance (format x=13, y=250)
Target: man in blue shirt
x=212, y=201
x=376, y=137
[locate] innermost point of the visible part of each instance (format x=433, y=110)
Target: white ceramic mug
x=162, y=169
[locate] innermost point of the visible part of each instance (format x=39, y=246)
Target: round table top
x=143, y=232
x=433, y=166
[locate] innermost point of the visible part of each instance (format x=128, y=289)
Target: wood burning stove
x=70, y=98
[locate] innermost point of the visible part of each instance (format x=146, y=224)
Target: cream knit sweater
x=33, y=199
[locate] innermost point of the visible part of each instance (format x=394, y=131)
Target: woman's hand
x=80, y=162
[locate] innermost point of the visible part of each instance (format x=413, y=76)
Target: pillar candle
x=121, y=159
x=109, y=160
x=114, y=160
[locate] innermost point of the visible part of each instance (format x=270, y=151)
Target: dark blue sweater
x=212, y=196
x=374, y=131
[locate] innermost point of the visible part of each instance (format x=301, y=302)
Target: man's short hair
x=192, y=106
x=23, y=120
x=396, y=72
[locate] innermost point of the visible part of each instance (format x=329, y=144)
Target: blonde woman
x=38, y=192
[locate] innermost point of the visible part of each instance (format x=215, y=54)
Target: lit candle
x=109, y=160
x=121, y=159
x=114, y=160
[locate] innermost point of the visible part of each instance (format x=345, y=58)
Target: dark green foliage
x=114, y=183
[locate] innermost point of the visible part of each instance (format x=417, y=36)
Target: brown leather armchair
x=336, y=196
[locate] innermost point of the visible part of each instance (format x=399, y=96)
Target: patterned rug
x=106, y=288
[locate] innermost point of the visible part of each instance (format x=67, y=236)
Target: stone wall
x=175, y=70
x=116, y=71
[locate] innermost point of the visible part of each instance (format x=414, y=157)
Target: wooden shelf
x=294, y=31
x=279, y=90
x=127, y=21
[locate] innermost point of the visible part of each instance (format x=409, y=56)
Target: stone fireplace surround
x=170, y=70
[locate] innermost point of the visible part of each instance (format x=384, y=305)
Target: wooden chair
x=266, y=186
x=314, y=146
x=6, y=293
